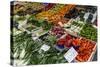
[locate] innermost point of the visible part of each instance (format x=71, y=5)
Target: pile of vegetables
x=74, y=27
x=31, y=49
x=48, y=39
x=27, y=8
x=85, y=48
x=57, y=31
x=75, y=23
x=66, y=41
x=40, y=23
x=89, y=32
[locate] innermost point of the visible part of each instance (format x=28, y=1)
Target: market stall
x=49, y=36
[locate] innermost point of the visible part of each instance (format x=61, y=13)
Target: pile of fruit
x=27, y=8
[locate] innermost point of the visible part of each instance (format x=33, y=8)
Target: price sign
x=70, y=54
x=45, y=47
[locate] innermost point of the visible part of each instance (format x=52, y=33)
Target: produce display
x=55, y=14
x=74, y=26
x=85, y=48
x=57, y=31
x=89, y=32
x=49, y=33
x=66, y=41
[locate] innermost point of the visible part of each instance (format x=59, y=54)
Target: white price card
x=45, y=47
x=70, y=54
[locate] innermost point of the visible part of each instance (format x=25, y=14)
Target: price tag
x=86, y=16
x=70, y=54
x=45, y=47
